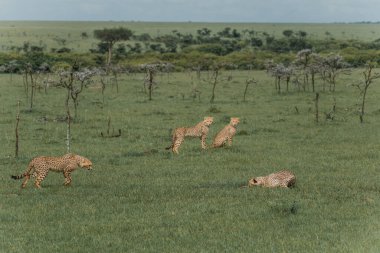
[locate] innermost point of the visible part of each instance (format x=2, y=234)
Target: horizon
x=196, y=11
x=200, y=22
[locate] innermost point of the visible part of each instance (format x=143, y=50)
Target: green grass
x=44, y=33
x=141, y=198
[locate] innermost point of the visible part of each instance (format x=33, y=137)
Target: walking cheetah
x=40, y=166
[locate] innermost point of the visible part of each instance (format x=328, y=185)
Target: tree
x=287, y=33
x=30, y=75
x=314, y=68
x=303, y=61
x=279, y=71
x=111, y=36
x=11, y=67
x=151, y=71
x=247, y=83
x=216, y=69
x=73, y=81
x=363, y=86
x=333, y=65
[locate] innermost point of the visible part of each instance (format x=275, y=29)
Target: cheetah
x=282, y=178
x=199, y=130
x=40, y=166
x=226, y=134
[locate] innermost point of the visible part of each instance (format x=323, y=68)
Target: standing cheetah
x=40, y=166
x=199, y=130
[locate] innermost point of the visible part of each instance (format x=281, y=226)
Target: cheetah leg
x=67, y=176
x=40, y=177
x=177, y=143
x=229, y=140
x=25, y=181
x=203, y=142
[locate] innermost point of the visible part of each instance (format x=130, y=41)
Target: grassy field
x=50, y=33
x=141, y=198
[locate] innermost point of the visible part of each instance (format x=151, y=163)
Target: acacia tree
x=247, y=83
x=216, y=69
x=73, y=81
x=314, y=68
x=11, y=67
x=151, y=71
x=30, y=75
x=333, y=66
x=280, y=72
x=111, y=36
x=303, y=61
x=363, y=86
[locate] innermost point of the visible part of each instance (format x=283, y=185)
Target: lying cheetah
x=282, y=178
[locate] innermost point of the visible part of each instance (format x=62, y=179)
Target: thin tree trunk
x=316, y=107
x=245, y=91
x=109, y=56
x=17, y=123
x=31, y=91
x=68, y=131
x=214, y=86
x=363, y=104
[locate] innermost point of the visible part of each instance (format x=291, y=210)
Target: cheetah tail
x=30, y=167
x=167, y=148
x=19, y=177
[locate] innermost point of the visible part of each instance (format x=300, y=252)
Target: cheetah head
x=255, y=181
x=83, y=162
x=235, y=121
x=208, y=120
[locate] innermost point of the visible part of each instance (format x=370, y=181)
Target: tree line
x=248, y=49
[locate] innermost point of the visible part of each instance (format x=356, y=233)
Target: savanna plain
x=140, y=197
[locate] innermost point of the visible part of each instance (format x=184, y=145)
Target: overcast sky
x=318, y=11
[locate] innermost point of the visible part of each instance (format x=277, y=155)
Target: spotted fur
x=226, y=134
x=282, y=178
x=199, y=130
x=40, y=166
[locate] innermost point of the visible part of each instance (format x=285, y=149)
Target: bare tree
x=152, y=70
x=363, y=86
x=303, y=61
x=333, y=66
x=215, y=75
x=73, y=81
x=16, y=129
x=247, y=83
x=216, y=69
x=280, y=72
x=316, y=107
x=30, y=76
x=314, y=68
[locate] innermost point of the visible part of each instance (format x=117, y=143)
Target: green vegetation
x=184, y=44
x=141, y=198
x=308, y=112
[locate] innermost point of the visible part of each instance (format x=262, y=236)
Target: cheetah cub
x=226, y=134
x=282, y=178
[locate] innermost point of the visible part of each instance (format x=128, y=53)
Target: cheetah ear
x=254, y=180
